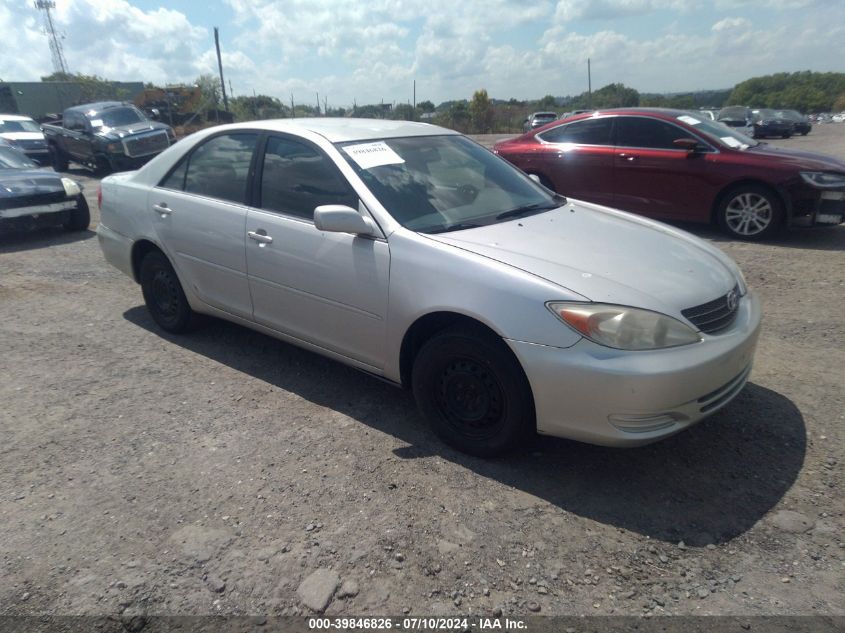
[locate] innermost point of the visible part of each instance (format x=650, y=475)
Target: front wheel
x=164, y=296
x=473, y=392
x=750, y=212
x=80, y=217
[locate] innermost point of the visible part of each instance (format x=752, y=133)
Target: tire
x=80, y=217
x=59, y=159
x=750, y=212
x=473, y=392
x=785, y=135
x=102, y=166
x=164, y=296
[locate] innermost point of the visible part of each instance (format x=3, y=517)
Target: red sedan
x=675, y=165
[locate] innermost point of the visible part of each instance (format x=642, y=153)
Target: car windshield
x=790, y=115
x=436, y=184
x=735, y=113
x=26, y=125
x=719, y=132
x=115, y=117
x=13, y=159
x=546, y=115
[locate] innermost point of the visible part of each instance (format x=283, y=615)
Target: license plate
x=827, y=218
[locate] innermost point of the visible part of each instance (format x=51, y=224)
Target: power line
x=59, y=63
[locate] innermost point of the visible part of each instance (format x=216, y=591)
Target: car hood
x=22, y=182
x=122, y=131
x=606, y=256
x=799, y=159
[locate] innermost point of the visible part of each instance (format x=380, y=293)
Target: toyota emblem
x=732, y=300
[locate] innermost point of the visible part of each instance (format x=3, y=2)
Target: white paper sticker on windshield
x=97, y=123
x=688, y=119
x=369, y=155
x=730, y=141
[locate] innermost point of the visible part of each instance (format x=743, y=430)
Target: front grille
x=146, y=144
x=714, y=315
x=32, y=200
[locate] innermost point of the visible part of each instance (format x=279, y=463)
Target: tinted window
x=650, y=133
x=176, y=180
x=585, y=132
x=219, y=168
x=296, y=178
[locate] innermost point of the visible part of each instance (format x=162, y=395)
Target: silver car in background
x=414, y=254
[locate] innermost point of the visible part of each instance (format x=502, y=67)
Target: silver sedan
x=412, y=253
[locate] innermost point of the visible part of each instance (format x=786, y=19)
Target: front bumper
x=37, y=210
x=611, y=397
x=817, y=207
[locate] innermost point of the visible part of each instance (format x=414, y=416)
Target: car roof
x=98, y=106
x=544, y=114
x=14, y=117
x=340, y=130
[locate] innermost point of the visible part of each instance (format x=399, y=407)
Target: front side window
x=584, y=132
x=219, y=168
x=296, y=178
x=648, y=133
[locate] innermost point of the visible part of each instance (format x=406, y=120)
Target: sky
x=368, y=51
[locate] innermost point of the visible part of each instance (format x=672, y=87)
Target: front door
x=655, y=178
x=329, y=289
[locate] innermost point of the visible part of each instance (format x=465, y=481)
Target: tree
x=209, y=85
x=91, y=87
x=805, y=91
x=425, y=106
x=481, y=112
x=839, y=104
x=547, y=103
x=258, y=107
x=403, y=111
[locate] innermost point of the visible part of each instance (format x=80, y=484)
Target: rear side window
x=584, y=132
x=296, y=178
x=219, y=168
x=647, y=133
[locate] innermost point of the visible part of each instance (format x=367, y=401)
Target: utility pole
x=589, y=86
x=318, y=104
x=326, y=105
x=220, y=67
x=59, y=63
x=414, y=111
x=292, y=107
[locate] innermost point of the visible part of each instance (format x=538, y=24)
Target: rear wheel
x=80, y=217
x=473, y=392
x=59, y=159
x=164, y=296
x=102, y=166
x=750, y=212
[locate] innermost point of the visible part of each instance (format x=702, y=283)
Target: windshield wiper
x=529, y=209
x=453, y=227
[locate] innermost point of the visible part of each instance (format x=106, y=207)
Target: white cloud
x=348, y=49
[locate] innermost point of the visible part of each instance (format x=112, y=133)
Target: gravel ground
x=226, y=472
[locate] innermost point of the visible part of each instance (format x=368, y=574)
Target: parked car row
x=764, y=122
x=675, y=165
x=106, y=136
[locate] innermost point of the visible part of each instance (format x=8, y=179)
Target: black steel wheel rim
x=470, y=398
x=165, y=294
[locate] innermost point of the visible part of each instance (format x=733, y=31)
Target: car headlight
x=72, y=188
x=823, y=179
x=622, y=327
x=115, y=148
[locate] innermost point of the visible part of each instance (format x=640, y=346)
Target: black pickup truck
x=106, y=136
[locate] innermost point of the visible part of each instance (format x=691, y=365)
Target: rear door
x=329, y=289
x=655, y=178
x=200, y=218
x=578, y=159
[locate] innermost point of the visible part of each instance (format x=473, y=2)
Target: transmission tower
x=59, y=63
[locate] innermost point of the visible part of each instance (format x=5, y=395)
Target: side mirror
x=155, y=114
x=338, y=218
x=535, y=178
x=688, y=144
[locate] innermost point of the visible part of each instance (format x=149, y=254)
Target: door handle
x=260, y=236
x=162, y=208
